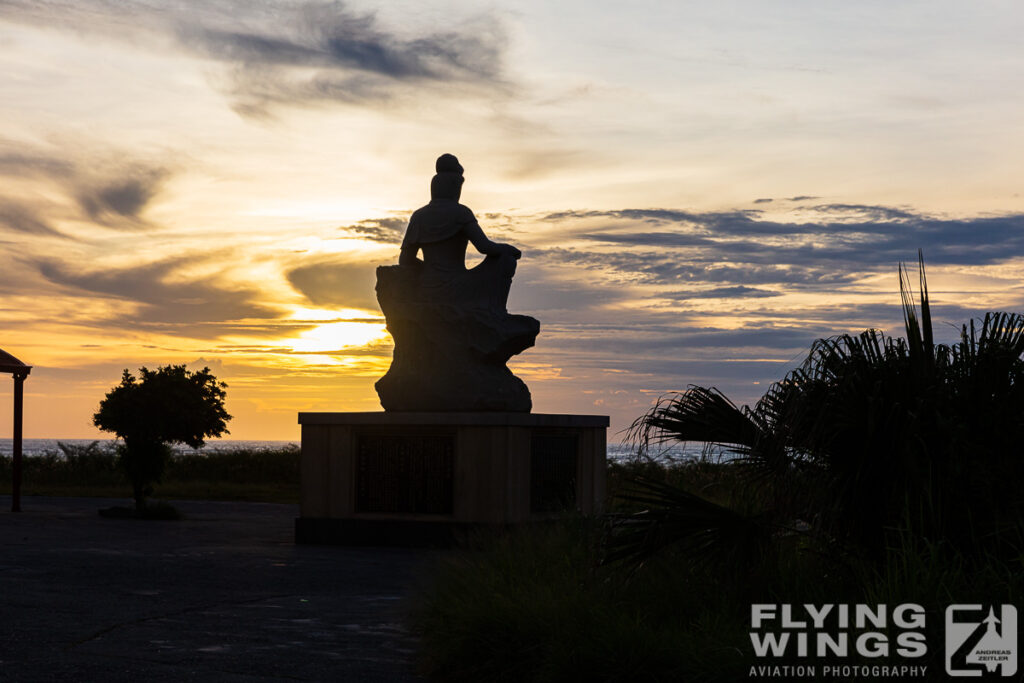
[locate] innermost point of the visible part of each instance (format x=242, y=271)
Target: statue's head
x=447, y=184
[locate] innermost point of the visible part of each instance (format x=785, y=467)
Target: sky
x=700, y=190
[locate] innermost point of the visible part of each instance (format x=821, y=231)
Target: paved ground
x=223, y=595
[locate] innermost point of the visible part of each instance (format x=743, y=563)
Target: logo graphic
x=981, y=641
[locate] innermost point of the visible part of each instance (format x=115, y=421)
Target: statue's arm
x=407, y=257
x=485, y=246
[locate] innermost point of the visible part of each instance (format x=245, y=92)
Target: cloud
x=658, y=267
x=331, y=36
x=123, y=197
x=660, y=239
x=292, y=54
x=386, y=230
x=336, y=284
x=836, y=241
x=21, y=218
x=859, y=212
x=535, y=291
x=103, y=187
x=696, y=297
x=164, y=297
x=737, y=222
x=778, y=337
x=736, y=292
x=19, y=161
x=329, y=53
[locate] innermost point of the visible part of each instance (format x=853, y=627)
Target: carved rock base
x=449, y=356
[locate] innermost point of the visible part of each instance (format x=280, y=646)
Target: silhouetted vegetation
x=882, y=471
x=874, y=439
x=259, y=475
x=544, y=604
x=164, y=406
x=536, y=606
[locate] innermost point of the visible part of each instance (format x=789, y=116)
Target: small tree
x=161, y=407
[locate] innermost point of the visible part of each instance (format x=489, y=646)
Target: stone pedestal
x=421, y=478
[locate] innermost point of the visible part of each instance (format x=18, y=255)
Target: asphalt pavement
x=222, y=595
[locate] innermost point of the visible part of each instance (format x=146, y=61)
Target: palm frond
x=871, y=433
x=928, y=338
x=705, y=531
x=920, y=337
x=695, y=415
x=1003, y=331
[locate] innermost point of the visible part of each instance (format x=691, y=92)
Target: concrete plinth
x=420, y=478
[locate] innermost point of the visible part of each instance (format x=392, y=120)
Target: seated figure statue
x=452, y=330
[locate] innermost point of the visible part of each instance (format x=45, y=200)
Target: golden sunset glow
x=697, y=198
x=330, y=337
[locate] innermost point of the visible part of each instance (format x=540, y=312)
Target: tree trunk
x=139, y=492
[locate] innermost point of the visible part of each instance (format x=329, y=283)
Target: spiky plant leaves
x=705, y=531
x=697, y=414
x=871, y=434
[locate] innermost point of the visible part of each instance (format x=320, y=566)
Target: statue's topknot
x=447, y=163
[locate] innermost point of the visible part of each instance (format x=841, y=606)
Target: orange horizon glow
x=697, y=197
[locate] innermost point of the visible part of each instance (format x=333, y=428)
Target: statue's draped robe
x=443, y=230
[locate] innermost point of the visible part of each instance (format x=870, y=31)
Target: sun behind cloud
x=338, y=336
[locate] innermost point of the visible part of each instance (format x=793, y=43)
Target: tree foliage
x=168, y=405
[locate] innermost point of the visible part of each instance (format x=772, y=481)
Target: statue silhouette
x=442, y=230
x=452, y=330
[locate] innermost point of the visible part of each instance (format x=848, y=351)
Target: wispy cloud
x=22, y=218
x=385, y=230
x=737, y=291
x=842, y=238
x=101, y=187
x=163, y=294
x=292, y=54
x=658, y=267
x=112, y=200
x=332, y=36
x=336, y=283
x=544, y=290
x=18, y=159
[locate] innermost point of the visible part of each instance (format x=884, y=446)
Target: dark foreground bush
x=534, y=606
x=91, y=465
x=538, y=605
x=256, y=466
x=266, y=475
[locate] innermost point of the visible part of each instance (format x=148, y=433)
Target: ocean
x=30, y=447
